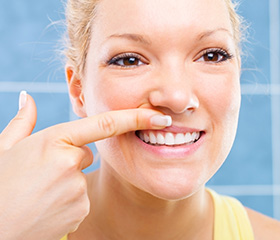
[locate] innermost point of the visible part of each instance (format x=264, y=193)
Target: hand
x=43, y=192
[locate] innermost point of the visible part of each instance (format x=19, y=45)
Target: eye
x=126, y=60
x=214, y=56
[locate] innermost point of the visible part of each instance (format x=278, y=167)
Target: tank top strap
x=231, y=219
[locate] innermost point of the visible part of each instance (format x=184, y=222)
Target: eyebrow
x=134, y=37
x=146, y=41
x=211, y=32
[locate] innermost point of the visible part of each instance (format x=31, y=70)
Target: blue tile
x=256, y=68
x=262, y=204
x=52, y=109
x=8, y=108
x=27, y=47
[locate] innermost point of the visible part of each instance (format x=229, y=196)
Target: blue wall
x=28, y=60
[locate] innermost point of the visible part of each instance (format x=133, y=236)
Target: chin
x=173, y=187
x=174, y=194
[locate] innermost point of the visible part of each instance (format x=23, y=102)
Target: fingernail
x=161, y=121
x=22, y=99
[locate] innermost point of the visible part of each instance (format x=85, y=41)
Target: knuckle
x=4, y=146
x=66, y=164
x=81, y=213
x=72, y=163
x=138, y=121
x=81, y=187
x=82, y=208
x=85, y=208
x=107, y=124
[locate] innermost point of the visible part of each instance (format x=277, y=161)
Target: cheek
x=222, y=105
x=228, y=104
x=221, y=98
x=110, y=93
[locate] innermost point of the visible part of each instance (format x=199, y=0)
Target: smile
x=168, y=138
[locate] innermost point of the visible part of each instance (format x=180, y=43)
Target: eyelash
x=123, y=56
x=224, y=54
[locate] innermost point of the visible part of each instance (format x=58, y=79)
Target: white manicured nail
x=22, y=99
x=161, y=121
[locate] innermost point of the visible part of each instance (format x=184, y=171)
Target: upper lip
x=177, y=129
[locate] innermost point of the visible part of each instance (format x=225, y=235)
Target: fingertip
x=22, y=99
x=22, y=124
x=27, y=111
x=161, y=121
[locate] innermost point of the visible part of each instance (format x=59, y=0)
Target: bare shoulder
x=264, y=227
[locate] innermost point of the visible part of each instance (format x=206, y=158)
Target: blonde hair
x=238, y=24
x=80, y=15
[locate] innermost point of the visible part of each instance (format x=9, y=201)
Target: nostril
x=175, y=98
x=193, y=104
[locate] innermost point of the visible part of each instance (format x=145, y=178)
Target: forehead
x=161, y=16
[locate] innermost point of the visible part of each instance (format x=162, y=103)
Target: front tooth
x=169, y=139
x=153, y=139
x=146, y=138
x=160, y=139
x=180, y=138
x=188, y=137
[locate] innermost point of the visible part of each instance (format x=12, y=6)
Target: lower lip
x=173, y=152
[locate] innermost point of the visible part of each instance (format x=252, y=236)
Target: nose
x=174, y=91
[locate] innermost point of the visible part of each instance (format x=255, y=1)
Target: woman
x=157, y=83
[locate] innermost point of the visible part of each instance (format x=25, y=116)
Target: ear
x=75, y=91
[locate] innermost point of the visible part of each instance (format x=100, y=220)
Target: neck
x=122, y=211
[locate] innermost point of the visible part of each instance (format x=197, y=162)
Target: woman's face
x=163, y=55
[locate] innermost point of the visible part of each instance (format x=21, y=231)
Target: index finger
x=109, y=124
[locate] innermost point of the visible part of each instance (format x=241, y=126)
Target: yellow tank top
x=231, y=219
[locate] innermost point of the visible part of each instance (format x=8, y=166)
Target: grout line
x=52, y=87
x=247, y=190
x=260, y=89
x=35, y=87
x=275, y=100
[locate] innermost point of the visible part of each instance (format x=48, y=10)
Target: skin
x=170, y=77
x=159, y=188
x=39, y=170
x=159, y=197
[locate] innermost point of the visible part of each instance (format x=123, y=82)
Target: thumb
x=22, y=124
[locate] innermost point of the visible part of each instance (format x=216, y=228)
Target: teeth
x=153, y=139
x=194, y=135
x=160, y=139
x=188, y=137
x=168, y=138
x=146, y=138
x=180, y=138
